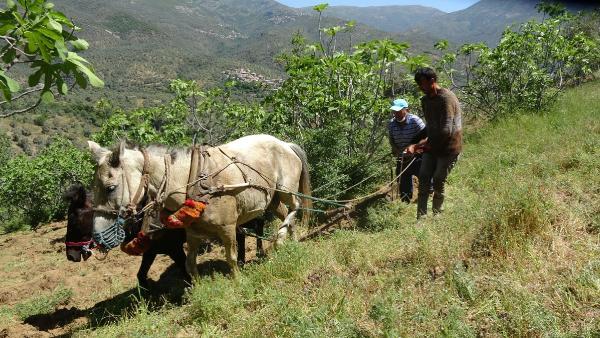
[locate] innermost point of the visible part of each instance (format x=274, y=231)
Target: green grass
x=43, y=303
x=516, y=253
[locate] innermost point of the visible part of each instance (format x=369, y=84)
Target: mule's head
x=79, y=223
x=118, y=175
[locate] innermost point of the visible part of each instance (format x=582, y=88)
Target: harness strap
x=143, y=183
x=235, y=162
x=160, y=199
x=193, y=170
x=107, y=211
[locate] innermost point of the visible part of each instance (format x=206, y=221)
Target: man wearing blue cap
x=405, y=129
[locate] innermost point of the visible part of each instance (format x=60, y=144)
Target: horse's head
x=117, y=178
x=79, y=223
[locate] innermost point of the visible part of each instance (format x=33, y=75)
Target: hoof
x=143, y=283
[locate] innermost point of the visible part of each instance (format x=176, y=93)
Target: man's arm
x=447, y=121
x=419, y=141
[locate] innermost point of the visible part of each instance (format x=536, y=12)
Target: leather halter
x=139, y=193
x=113, y=235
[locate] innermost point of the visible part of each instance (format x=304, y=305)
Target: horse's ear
x=97, y=151
x=115, y=158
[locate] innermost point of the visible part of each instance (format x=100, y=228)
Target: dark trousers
x=405, y=181
x=434, y=171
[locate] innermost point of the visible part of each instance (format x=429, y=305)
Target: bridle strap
x=84, y=243
x=143, y=183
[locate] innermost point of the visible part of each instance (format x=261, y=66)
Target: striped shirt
x=403, y=134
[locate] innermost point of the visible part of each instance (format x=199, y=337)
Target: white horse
x=261, y=172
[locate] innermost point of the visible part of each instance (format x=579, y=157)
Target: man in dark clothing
x=441, y=148
x=405, y=129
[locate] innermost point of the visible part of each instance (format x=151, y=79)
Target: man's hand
x=418, y=148
x=412, y=149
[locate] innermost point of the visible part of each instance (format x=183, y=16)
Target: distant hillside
x=484, y=21
x=139, y=45
x=387, y=18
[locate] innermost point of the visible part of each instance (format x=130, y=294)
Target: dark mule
x=165, y=242
x=258, y=224
x=79, y=235
x=79, y=223
x=169, y=241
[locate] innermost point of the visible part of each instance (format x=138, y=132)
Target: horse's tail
x=304, y=185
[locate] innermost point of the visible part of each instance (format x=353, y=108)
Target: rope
x=339, y=202
x=350, y=174
x=313, y=210
x=246, y=232
x=355, y=185
x=389, y=183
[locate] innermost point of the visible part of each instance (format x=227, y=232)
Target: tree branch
x=19, y=111
x=28, y=91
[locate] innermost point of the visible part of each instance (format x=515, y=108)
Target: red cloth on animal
x=186, y=215
x=137, y=246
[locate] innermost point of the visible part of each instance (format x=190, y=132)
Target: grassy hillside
x=516, y=253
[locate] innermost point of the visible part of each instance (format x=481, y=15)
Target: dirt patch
x=34, y=264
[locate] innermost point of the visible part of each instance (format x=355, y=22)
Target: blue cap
x=399, y=104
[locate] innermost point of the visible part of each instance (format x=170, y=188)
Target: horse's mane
x=77, y=195
x=157, y=149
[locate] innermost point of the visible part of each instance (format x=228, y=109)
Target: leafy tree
x=335, y=104
x=193, y=116
x=527, y=69
x=551, y=9
x=5, y=150
x=33, y=34
x=32, y=187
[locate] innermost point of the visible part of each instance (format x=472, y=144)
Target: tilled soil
x=34, y=264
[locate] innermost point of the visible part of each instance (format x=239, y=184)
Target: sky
x=444, y=5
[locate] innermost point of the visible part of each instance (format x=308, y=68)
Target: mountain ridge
x=483, y=21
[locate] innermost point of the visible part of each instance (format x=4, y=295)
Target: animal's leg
x=260, y=231
x=147, y=260
x=241, y=247
x=289, y=222
x=178, y=256
x=228, y=237
x=280, y=212
x=190, y=262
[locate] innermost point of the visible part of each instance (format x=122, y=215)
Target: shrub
x=25, y=132
x=527, y=69
x=40, y=120
x=32, y=187
x=5, y=149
